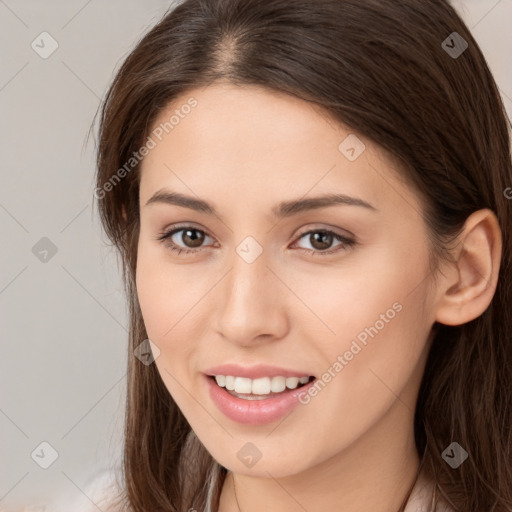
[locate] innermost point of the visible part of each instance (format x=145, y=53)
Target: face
x=338, y=291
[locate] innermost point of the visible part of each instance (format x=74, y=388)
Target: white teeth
x=261, y=386
x=243, y=385
x=230, y=382
x=278, y=384
x=221, y=380
x=292, y=382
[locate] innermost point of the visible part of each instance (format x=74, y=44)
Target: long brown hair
x=381, y=68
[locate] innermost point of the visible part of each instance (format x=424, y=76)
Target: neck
x=375, y=473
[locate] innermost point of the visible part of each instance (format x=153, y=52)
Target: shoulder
x=421, y=498
x=105, y=491
x=102, y=491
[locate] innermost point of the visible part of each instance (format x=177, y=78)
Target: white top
x=103, y=489
x=421, y=498
x=97, y=494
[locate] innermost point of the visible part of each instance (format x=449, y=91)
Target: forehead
x=240, y=119
x=250, y=141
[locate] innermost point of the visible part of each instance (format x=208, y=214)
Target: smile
x=244, y=387
x=253, y=408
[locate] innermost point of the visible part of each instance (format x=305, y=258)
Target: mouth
x=261, y=400
x=262, y=388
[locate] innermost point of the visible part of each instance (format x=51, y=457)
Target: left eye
x=321, y=237
x=324, y=237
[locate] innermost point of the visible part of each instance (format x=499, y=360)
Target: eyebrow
x=283, y=209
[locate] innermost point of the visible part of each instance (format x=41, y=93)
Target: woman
x=310, y=201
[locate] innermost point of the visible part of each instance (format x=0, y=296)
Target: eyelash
x=165, y=236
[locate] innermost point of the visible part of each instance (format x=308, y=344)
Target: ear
x=471, y=280
x=123, y=209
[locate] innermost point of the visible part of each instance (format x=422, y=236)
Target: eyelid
x=325, y=227
x=348, y=240
x=171, y=230
x=306, y=230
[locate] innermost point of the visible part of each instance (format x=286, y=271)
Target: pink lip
x=254, y=372
x=254, y=412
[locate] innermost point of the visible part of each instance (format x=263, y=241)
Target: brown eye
x=322, y=239
x=193, y=238
x=190, y=238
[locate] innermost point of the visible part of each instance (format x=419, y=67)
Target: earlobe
x=472, y=282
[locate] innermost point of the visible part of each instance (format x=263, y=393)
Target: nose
x=251, y=303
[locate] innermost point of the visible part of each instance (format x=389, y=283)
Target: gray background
x=64, y=320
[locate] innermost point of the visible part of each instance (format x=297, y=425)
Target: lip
x=254, y=412
x=254, y=372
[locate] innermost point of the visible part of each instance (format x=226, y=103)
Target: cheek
x=166, y=291
x=364, y=289
x=372, y=310
x=150, y=283
x=169, y=296
x=380, y=327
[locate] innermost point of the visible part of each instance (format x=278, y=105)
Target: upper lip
x=254, y=372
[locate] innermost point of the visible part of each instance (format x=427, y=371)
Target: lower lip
x=255, y=412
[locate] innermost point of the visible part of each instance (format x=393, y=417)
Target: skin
x=245, y=149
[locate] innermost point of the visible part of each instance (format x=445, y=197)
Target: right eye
x=188, y=231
